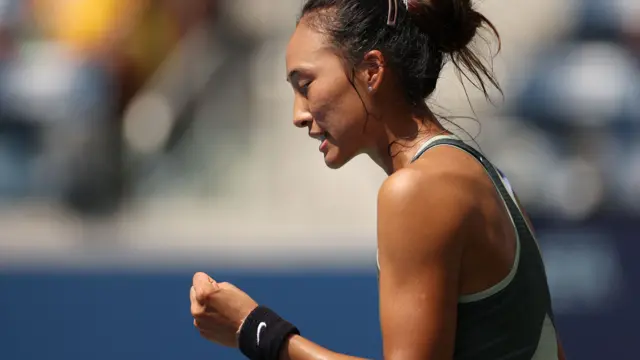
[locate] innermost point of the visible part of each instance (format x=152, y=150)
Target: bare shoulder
x=443, y=174
x=434, y=198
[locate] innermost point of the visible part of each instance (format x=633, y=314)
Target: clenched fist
x=219, y=309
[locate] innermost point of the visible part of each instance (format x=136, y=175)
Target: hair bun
x=450, y=24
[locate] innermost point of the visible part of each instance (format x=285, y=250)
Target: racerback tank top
x=512, y=320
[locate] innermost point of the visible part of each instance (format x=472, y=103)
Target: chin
x=333, y=165
x=335, y=161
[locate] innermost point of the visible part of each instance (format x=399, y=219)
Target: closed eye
x=299, y=83
x=303, y=89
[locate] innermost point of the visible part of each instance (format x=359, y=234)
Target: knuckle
x=225, y=286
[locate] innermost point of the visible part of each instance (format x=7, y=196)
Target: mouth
x=324, y=143
x=323, y=138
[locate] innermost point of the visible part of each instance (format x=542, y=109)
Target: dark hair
x=426, y=34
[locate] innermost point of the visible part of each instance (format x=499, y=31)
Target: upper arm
x=420, y=232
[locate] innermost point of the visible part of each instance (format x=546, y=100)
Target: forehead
x=306, y=45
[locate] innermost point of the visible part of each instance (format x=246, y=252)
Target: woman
x=460, y=274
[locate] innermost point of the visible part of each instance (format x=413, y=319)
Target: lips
x=323, y=145
x=322, y=137
x=324, y=142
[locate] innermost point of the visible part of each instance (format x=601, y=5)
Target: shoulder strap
x=494, y=174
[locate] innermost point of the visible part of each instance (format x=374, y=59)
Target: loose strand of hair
x=467, y=59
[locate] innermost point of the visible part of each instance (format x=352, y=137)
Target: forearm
x=299, y=348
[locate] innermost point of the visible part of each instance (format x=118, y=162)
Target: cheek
x=337, y=109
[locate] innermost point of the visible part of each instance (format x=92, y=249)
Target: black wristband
x=263, y=334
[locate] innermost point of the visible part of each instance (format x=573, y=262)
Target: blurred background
x=144, y=140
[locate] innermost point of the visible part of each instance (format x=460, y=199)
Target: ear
x=373, y=70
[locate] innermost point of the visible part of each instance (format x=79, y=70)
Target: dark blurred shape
x=582, y=93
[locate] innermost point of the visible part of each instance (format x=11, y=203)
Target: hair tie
x=393, y=11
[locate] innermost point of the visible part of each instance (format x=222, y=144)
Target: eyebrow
x=292, y=74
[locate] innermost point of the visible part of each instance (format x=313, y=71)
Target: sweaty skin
x=427, y=222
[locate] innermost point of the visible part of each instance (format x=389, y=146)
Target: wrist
x=263, y=334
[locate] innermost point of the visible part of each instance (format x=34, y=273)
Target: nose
x=301, y=115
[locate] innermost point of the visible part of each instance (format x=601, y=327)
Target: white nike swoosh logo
x=261, y=326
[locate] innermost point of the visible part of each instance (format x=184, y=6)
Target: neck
x=402, y=137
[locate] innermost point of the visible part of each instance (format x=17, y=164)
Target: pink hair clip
x=393, y=11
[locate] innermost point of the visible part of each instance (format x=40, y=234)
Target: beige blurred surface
x=278, y=194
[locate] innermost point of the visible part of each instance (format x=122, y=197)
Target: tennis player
x=460, y=273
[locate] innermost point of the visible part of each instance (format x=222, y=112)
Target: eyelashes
x=303, y=89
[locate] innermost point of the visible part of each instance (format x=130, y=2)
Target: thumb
x=202, y=277
x=204, y=287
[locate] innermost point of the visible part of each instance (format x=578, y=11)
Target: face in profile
x=325, y=101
